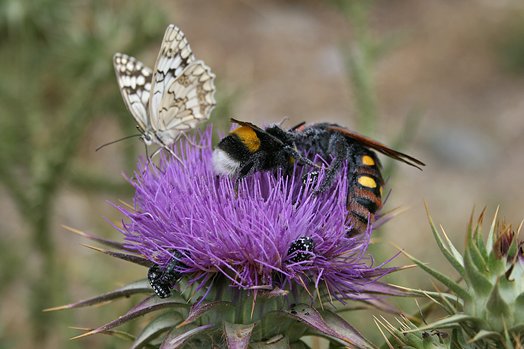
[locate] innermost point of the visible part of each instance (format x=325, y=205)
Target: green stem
x=360, y=62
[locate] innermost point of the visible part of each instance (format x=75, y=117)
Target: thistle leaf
x=148, y=305
x=128, y=257
x=450, y=321
x=238, y=335
x=278, y=342
x=455, y=259
x=106, y=242
x=178, y=336
x=372, y=302
x=490, y=241
x=452, y=285
x=482, y=334
x=519, y=310
x=474, y=277
x=338, y=324
x=201, y=308
x=497, y=306
x=336, y=328
x=476, y=256
x=153, y=329
x=452, y=247
x=114, y=333
x=141, y=286
x=381, y=288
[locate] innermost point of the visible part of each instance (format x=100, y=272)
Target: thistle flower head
x=256, y=265
x=249, y=236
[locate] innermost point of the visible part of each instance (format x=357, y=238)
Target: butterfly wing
x=174, y=57
x=186, y=102
x=378, y=147
x=134, y=80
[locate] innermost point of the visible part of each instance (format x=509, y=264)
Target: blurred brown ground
x=284, y=58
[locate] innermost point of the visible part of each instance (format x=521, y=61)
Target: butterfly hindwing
x=188, y=100
x=134, y=80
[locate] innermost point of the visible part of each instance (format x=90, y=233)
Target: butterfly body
x=170, y=99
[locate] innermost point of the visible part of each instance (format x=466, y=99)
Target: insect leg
x=255, y=163
x=295, y=154
x=341, y=151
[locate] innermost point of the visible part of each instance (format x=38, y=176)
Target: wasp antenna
x=118, y=140
x=284, y=119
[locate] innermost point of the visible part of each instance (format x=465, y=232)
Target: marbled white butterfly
x=171, y=99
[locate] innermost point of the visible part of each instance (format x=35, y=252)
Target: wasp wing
x=186, y=102
x=298, y=127
x=134, y=80
x=378, y=147
x=174, y=56
x=248, y=124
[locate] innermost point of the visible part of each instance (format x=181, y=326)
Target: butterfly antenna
x=118, y=140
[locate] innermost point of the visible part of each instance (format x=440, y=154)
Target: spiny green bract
x=488, y=306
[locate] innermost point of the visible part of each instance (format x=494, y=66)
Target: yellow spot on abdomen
x=368, y=160
x=367, y=182
x=248, y=137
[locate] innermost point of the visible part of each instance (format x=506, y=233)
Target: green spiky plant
x=487, y=308
x=406, y=335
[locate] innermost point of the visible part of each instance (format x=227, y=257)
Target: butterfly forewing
x=174, y=56
x=134, y=80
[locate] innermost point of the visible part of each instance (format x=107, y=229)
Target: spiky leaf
x=128, y=257
x=336, y=328
x=154, y=328
x=238, y=335
x=148, y=305
x=178, y=336
x=277, y=342
x=141, y=286
x=199, y=309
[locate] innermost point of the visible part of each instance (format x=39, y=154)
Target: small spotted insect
x=163, y=279
x=301, y=249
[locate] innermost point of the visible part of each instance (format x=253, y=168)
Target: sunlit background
x=440, y=80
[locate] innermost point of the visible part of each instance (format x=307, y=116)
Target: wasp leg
x=341, y=151
x=255, y=163
x=295, y=154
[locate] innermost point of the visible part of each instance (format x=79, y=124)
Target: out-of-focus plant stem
x=38, y=204
x=359, y=60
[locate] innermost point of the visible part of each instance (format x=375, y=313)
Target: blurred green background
x=441, y=80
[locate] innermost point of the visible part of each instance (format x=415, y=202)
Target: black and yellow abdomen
x=365, y=190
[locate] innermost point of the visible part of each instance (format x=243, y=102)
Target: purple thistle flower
x=184, y=211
